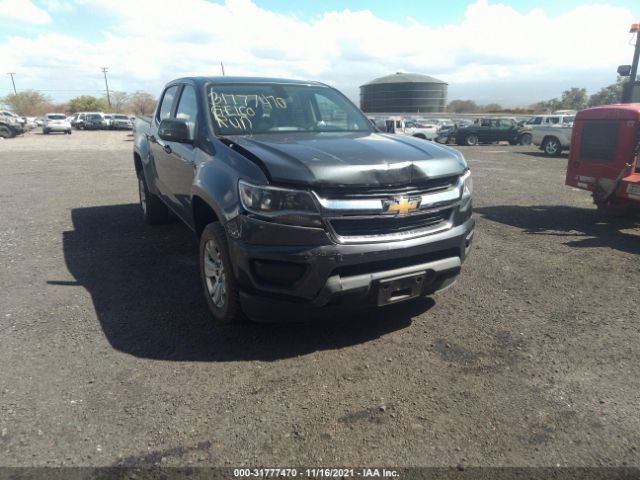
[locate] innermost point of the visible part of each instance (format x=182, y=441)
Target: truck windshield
x=244, y=109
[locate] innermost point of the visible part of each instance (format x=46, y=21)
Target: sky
x=511, y=52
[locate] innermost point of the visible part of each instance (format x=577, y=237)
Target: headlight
x=294, y=207
x=467, y=191
x=468, y=184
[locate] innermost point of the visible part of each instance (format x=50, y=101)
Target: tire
x=68, y=132
x=420, y=135
x=5, y=132
x=154, y=211
x=471, y=140
x=45, y=132
x=218, y=282
x=80, y=127
x=552, y=147
x=525, y=139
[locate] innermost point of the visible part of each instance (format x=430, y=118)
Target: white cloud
x=58, y=5
x=492, y=43
x=23, y=11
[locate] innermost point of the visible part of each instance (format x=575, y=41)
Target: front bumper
x=329, y=276
x=57, y=128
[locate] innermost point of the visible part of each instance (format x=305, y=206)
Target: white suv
x=56, y=122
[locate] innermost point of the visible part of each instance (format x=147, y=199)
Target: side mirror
x=173, y=130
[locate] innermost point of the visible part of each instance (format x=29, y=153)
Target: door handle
x=167, y=148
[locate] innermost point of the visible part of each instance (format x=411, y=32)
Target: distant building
x=404, y=93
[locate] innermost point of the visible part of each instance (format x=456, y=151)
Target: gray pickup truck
x=299, y=205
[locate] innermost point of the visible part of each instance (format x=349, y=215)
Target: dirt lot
x=107, y=356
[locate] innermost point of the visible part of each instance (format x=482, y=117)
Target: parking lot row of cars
x=552, y=133
x=12, y=124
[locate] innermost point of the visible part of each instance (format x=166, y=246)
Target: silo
x=404, y=93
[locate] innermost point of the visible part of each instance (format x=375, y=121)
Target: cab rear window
x=599, y=141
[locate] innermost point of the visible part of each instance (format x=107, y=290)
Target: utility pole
x=635, y=28
x=631, y=86
x=106, y=84
x=13, y=82
x=222, y=66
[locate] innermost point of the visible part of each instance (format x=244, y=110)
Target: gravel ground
x=108, y=358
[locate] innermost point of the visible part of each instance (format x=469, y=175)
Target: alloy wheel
x=215, y=275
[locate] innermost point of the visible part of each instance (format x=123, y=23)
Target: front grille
x=388, y=225
x=599, y=142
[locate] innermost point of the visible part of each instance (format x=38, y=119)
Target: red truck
x=604, y=156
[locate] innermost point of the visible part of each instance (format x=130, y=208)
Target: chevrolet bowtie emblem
x=401, y=206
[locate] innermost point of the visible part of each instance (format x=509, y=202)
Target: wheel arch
x=203, y=214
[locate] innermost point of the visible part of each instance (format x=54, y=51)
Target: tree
x=574, y=98
x=26, y=103
x=492, y=108
x=462, y=106
x=87, y=103
x=119, y=101
x=142, y=103
x=609, y=94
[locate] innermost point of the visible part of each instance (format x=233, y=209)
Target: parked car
x=9, y=125
x=119, y=121
x=489, y=130
x=56, y=122
x=77, y=120
x=299, y=205
x=552, y=140
x=94, y=121
x=31, y=123
x=39, y=121
x=411, y=128
x=548, y=120
x=17, y=121
x=108, y=119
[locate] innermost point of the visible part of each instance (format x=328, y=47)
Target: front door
x=181, y=157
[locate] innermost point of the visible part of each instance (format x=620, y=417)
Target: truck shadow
x=562, y=156
x=146, y=291
x=589, y=227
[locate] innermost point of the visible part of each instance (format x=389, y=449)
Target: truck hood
x=350, y=159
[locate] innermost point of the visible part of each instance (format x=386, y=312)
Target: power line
x=13, y=82
x=104, y=70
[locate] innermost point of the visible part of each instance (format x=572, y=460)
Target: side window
x=188, y=109
x=167, y=102
x=485, y=122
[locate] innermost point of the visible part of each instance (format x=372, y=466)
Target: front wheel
x=471, y=140
x=525, y=139
x=5, y=132
x=552, y=147
x=218, y=280
x=154, y=211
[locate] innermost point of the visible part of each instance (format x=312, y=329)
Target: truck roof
x=228, y=79
x=619, y=111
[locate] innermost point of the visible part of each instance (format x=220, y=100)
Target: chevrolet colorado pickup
x=298, y=204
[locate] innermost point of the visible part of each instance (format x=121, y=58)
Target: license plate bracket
x=399, y=289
